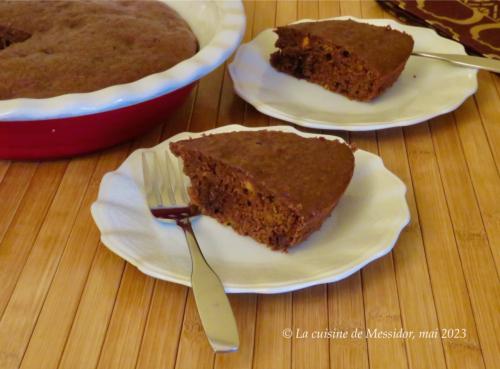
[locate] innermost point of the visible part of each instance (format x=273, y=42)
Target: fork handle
x=213, y=305
x=465, y=60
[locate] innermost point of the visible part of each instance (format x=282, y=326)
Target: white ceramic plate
x=425, y=89
x=363, y=227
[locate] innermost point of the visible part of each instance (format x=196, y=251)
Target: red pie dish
x=77, y=123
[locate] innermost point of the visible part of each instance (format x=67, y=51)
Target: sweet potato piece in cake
x=274, y=186
x=357, y=60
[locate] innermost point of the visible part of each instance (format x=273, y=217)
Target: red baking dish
x=74, y=124
x=55, y=138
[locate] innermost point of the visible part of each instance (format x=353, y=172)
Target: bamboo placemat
x=67, y=302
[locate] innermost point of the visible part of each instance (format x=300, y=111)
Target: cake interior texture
x=273, y=186
x=51, y=47
x=355, y=59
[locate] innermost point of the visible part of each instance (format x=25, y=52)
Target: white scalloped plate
x=363, y=227
x=437, y=88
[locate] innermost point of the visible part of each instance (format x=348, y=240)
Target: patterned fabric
x=474, y=23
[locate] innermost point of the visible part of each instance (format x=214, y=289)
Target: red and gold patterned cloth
x=474, y=23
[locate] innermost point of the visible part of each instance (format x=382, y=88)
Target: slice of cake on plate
x=355, y=59
x=274, y=186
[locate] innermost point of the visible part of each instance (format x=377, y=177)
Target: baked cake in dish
x=355, y=59
x=274, y=186
x=50, y=48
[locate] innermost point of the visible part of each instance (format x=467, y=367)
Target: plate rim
x=265, y=287
x=274, y=112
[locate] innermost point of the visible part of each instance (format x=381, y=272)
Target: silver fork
x=168, y=200
x=464, y=60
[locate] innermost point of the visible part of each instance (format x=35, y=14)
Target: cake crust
x=274, y=186
x=55, y=47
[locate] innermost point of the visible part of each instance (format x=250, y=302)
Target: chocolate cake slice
x=357, y=60
x=274, y=186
